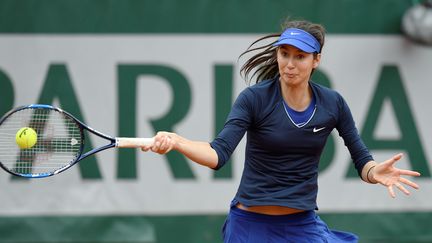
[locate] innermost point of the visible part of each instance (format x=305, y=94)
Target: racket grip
x=133, y=142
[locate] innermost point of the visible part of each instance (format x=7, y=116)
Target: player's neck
x=297, y=97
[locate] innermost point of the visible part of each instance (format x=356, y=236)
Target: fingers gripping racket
x=41, y=140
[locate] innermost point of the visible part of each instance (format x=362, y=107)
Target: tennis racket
x=59, y=141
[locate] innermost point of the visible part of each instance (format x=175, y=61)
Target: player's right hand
x=164, y=142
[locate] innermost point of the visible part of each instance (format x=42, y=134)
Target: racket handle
x=133, y=142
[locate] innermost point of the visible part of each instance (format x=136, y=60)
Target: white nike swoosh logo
x=318, y=129
x=295, y=33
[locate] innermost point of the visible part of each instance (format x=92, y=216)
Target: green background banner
x=197, y=16
x=371, y=227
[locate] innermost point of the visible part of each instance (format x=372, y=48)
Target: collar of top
x=300, y=39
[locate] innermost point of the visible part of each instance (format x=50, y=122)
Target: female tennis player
x=287, y=118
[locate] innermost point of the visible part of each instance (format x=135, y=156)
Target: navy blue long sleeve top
x=281, y=159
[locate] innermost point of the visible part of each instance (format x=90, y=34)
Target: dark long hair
x=263, y=65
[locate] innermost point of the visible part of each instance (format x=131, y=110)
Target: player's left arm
x=386, y=174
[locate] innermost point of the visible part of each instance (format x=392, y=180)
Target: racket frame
x=81, y=154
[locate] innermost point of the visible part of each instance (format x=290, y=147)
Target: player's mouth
x=290, y=75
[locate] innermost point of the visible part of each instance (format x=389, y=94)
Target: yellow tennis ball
x=26, y=138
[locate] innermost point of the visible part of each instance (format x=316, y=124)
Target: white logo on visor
x=295, y=33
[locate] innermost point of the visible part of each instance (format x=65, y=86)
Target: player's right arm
x=197, y=151
x=215, y=154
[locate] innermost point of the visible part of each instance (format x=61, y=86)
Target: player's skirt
x=247, y=227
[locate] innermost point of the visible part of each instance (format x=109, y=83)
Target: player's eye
x=300, y=56
x=284, y=53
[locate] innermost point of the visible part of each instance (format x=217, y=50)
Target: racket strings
x=59, y=141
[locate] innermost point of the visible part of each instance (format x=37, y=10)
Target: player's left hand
x=386, y=174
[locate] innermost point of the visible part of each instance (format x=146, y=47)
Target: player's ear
x=317, y=60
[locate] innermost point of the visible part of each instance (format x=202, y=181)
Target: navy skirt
x=247, y=227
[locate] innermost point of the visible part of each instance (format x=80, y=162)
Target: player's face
x=295, y=65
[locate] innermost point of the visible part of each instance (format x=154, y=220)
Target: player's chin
x=290, y=80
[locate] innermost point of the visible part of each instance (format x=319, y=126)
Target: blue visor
x=300, y=39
